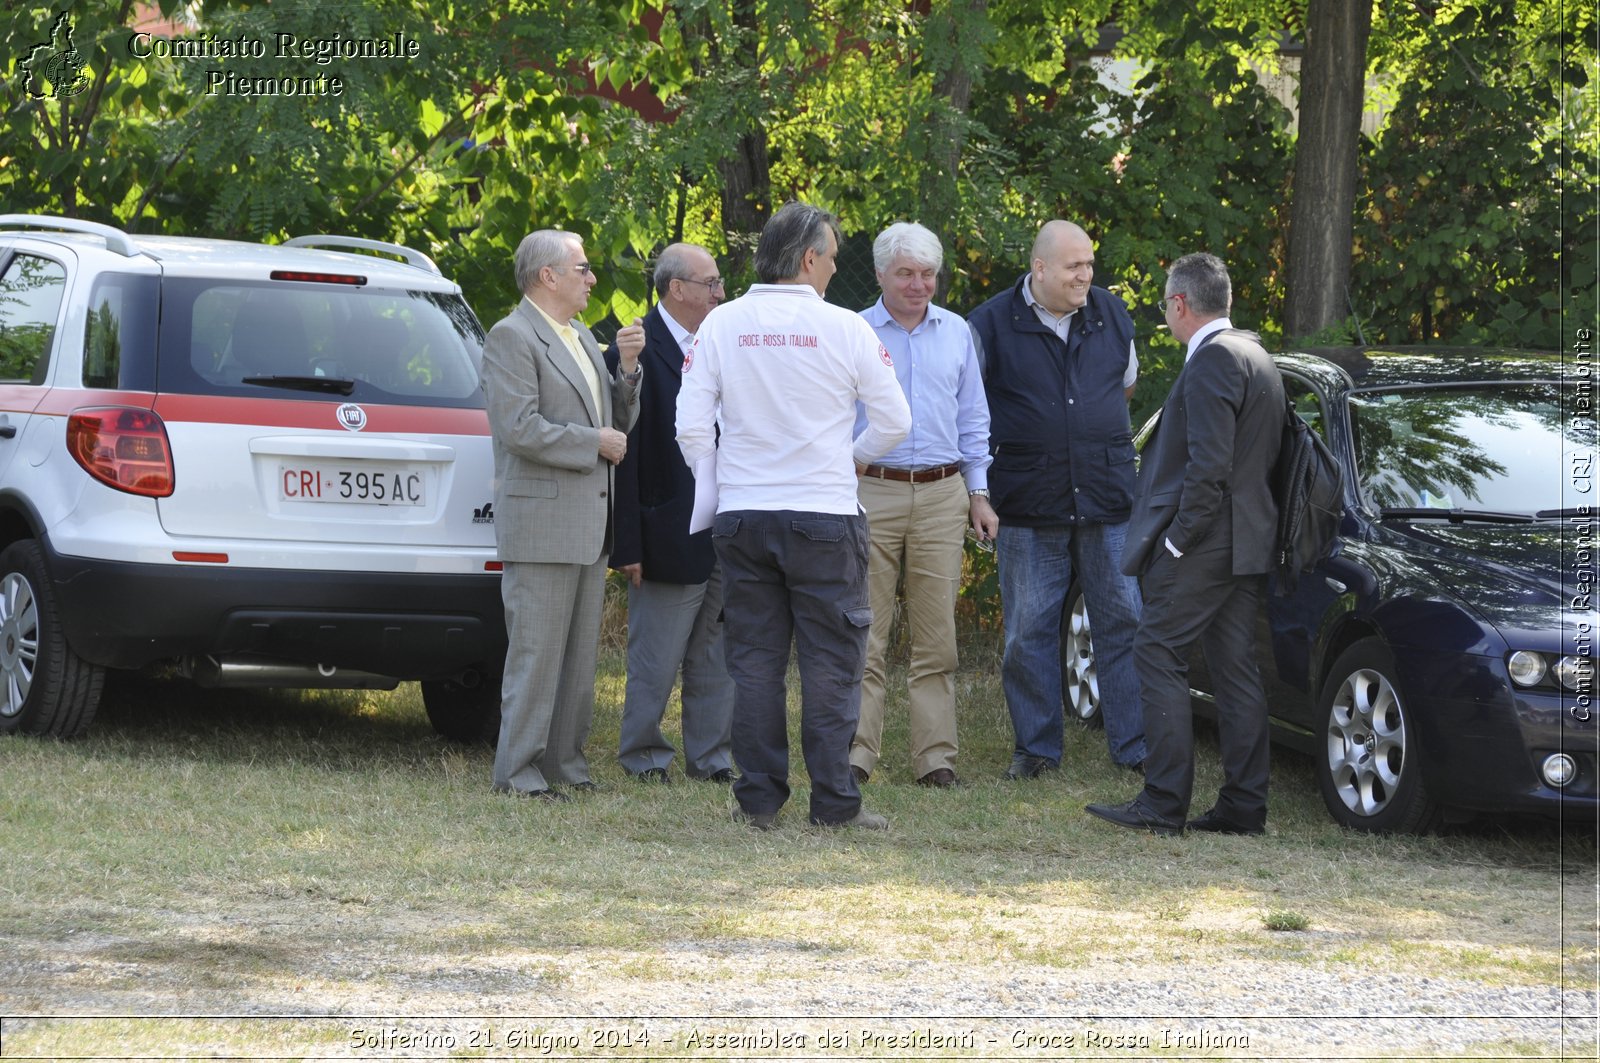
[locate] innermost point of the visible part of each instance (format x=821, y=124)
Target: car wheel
x=1080, y=686
x=45, y=688
x=1368, y=768
x=464, y=712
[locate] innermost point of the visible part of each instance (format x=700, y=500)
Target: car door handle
x=1337, y=587
x=8, y=431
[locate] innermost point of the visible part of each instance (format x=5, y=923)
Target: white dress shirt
x=786, y=369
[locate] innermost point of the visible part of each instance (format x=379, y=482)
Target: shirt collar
x=798, y=288
x=1038, y=307
x=1209, y=329
x=561, y=327
x=877, y=315
x=679, y=333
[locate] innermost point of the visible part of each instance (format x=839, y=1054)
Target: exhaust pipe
x=214, y=672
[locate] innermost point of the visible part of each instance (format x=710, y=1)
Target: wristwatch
x=984, y=491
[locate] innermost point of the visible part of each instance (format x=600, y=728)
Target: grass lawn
x=205, y=854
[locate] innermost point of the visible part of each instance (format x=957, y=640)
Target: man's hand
x=613, y=445
x=985, y=521
x=635, y=572
x=630, y=341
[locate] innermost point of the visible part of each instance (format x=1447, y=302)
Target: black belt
x=913, y=476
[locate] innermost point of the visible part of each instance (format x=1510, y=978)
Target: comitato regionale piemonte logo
x=54, y=69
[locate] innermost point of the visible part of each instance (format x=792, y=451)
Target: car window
x=31, y=289
x=1496, y=447
x=1307, y=402
x=417, y=348
x=119, y=336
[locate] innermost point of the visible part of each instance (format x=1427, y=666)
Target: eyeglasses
x=584, y=268
x=1163, y=304
x=714, y=283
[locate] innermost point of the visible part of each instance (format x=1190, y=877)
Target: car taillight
x=123, y=447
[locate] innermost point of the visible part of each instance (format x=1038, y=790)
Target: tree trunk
x=746, y=176
x=948, y=34
x=1322, y=208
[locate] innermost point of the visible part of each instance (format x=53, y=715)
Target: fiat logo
x=352, y=417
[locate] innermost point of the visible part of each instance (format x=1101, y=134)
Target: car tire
x=45, y=688
x=1080, y=684
x=1368, y=765
x=461, y=712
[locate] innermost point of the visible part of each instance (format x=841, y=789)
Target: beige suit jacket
x=552, y=491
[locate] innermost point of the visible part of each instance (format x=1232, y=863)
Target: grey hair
x=546, y=247
x=673, y=265
x=909, y=240
x=1203, y=280
x=795, y=229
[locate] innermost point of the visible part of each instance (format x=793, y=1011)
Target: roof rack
x=412, y=256
x=116, y=240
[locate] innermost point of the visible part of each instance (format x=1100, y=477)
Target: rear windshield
x=330, y=341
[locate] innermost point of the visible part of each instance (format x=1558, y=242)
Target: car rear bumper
x=403, y=625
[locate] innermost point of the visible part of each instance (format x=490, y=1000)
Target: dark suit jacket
x=655, y=488
x=1214, y=447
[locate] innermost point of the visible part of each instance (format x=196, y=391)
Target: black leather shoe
x=1137, y=767
x=654, y=775
x=861, y=774
x=939, y=777
x=587, y=786
x=1024, y=766
x=721, y=775
x=1211, y=823
x=1136, y=815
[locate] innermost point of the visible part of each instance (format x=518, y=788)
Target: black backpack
x=1309, y=490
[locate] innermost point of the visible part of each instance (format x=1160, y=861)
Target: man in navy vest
x=1059, y=366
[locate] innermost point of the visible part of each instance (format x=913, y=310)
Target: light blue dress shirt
x=937, y=367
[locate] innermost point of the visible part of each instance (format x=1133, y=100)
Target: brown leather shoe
x=941, y=777
x=860, y=773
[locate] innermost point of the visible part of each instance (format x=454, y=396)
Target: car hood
x=1509, y=573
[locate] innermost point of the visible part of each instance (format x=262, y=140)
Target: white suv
x=260, y=465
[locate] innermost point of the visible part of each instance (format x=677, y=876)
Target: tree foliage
x=637, y=122
x=1464, y=234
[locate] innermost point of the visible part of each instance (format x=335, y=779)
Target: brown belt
x=913, y=476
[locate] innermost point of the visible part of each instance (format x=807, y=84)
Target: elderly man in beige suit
x=559, y=422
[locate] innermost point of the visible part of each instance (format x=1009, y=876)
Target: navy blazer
x=1215, y=446
x=655, y=487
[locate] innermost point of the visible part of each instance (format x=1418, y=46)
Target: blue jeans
x=803, y=577
x=1036, y=570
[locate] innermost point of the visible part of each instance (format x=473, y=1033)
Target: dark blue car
x=1442, y=662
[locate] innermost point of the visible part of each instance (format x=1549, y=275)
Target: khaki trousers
x=923, y=526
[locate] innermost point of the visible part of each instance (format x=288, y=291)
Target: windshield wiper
x=1557, y=514
x=332, y=384
x=1454, y=516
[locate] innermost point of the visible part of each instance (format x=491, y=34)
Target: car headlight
x=1575, y=673
x=1526, y=667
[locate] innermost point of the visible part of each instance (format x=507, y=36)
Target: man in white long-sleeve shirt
x=783, y=370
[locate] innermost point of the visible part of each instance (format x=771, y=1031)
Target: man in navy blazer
x=1201, y=539
x=675, y=588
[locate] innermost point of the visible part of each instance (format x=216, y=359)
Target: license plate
x=323, y=482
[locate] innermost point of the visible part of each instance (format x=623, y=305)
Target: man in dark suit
x=1201, y=540
x=558, y=420
x=675, y=587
